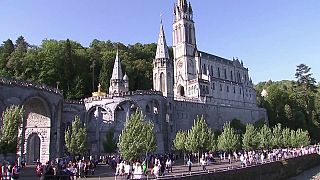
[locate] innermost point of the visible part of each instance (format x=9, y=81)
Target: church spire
x=162, y=48
x=117, y=71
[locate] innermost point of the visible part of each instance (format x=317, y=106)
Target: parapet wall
x=271, y=171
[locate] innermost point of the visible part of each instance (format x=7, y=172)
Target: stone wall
x=271, y=171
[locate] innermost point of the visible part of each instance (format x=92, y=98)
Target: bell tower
x=184, y=47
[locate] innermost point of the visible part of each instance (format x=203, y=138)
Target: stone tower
x=184, y=48
x=163, y=67
x=118, y=83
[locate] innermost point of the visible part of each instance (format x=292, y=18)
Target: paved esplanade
x=104, y=172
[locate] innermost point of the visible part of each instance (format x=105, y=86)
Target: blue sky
x=270, y=36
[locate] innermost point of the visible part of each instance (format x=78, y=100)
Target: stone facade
x=191, y=84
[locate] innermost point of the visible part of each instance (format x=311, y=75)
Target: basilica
x=189, y=84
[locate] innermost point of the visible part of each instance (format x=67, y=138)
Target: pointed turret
x=118, y=84
x=162, y=48
x=117, y=71
x=163, y=67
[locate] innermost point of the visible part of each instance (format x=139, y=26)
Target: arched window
x=231, y=76
x=162, y=83
x=187, y=33
x=190, y=35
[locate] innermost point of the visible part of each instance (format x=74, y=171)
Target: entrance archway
x=37, y=130
x=181, y=91
x=33, y=149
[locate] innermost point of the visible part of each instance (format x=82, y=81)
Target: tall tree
x=21, y=45
x=304, y=78
x=265, y=137
x=76, y=137
x=277, y=140
x=198, y=137
x=250, y=139
x=229, y=139
x=179, y=141
x=286, y=137
x=135, y=137
x=12, y=118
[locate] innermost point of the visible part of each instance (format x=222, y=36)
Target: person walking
x=203, y=163
x=189, y=163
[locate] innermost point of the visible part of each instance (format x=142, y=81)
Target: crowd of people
x=9, y=171
x=65, y=169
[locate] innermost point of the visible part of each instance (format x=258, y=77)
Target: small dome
x=125, y=77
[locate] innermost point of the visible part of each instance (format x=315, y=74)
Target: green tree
x=213, y=146
x=286, y=137
x=109, y=144
x=250, y=139
x=21, y=45
x=137, y=137
x=301, y=138
x=76, y=137
x=179, y=141
x=12, y=118
x=304, y=78
x=265, y=137
x=229, y=139
x=198, y=137
x=277, y=140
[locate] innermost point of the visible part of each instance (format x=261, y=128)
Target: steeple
x=117, y=71
x=162, y=48
x=118, y=83
x=163, y=67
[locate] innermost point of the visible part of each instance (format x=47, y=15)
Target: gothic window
x=225, y=73
x=234, y=89
x=227, y=88
x=181, y=91
x=204, y=69
x=162, y=82
x=148, y=109
x=218, y=72
x=240, y=91
x=180, y=34
x=190, y=34
x=176, y=35
x=220, y=87
x=231, y=76
x=213, y=86
x=187, y=33
x=211, y=71
x=207, y=89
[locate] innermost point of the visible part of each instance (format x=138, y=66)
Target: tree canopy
x=76, y=137
x=137, y=137
x=76, y=69
x=12, y=118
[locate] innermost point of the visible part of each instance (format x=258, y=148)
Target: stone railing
x=15, y=82
x=125, y=94
x=74, y=101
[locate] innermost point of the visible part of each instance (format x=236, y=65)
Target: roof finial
x=160, y=17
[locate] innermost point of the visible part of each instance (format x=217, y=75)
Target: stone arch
x=99, y=120
x=33, y=148
x=37, y=121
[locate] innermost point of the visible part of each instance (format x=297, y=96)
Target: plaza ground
x=104, y=172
